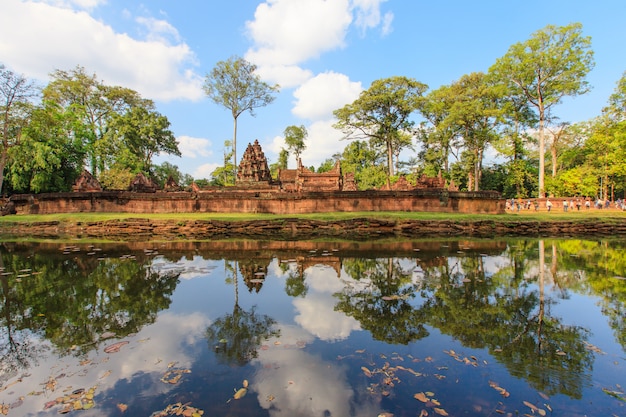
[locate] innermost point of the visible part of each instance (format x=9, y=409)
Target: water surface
x=250, y=328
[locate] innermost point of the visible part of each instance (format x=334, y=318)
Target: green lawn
x=524, y=215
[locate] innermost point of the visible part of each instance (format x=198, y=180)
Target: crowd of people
x=572, y=204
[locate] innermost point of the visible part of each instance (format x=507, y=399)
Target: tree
x=382, y=113
x=438, y=136
x=225, y=175
x=49, y=158
x=94, y=105
x=366, y=163
x=294, y=138
x=549, y=66
x=475, y=110
x=234, y=85
x=15, y=94
x=135, y=137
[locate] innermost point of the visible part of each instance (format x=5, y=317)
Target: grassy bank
x=524, y=215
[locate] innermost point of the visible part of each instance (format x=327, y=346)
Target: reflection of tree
x=379, y=300
x=16, y=348
x=237, y=336
x=73, y=299
x=513, y=320
x=295, y=284
x=603, y=264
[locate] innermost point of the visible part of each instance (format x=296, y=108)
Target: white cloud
x=288, y=32
x=286, y=76
x=321, y=95
x=387, y=20
x=158, y=30
x=204, y=171
x=191, y=147
x=59, y=37
x=81, y=4
x=368, y=15
x=323, y=141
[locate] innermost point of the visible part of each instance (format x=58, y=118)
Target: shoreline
x=358, y=228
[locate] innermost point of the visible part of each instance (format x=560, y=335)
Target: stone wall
x=485, y=202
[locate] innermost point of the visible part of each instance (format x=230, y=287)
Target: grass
x=524, y=215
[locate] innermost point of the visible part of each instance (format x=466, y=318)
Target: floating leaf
x=440, y=411
x=245, y=383
x=240, y=393
x=529, y=405
x=421, y=397
x=115, y=347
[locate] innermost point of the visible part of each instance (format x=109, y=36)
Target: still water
x=251, y=328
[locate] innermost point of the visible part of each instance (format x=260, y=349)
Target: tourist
x=549, y=205
x=587, y=203
x=578, y=204
x=536, y=203
x=564, y=205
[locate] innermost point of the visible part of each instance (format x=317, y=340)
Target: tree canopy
x=234, y=85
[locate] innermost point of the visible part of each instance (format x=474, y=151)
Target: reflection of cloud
x=149, y=352
x=295, y=383
x=187, y=268
x=316, y=314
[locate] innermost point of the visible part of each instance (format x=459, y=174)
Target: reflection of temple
x=254, y=272
x=325, y=259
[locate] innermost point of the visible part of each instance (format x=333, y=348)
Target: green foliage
x=161, y=173
x=381, y=115
x=326, y=165
x=234, y=85
x=116, y=178
x=294, y=138
x=136, y=136
x=15, y=94
x=551, y=65
x=48, y=159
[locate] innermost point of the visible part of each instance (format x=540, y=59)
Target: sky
x=322, y=54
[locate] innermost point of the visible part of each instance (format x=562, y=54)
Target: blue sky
x=322, y=53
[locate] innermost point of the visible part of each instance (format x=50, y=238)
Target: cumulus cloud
x=368, y=16
x=204, y=171
x=159, y=30
x=288, y=32
x=191, y=147
x=320, y=96
x=61, y=37
x=81, y=4
x=323, y=142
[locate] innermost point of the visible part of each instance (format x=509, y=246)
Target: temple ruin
x=293, y=191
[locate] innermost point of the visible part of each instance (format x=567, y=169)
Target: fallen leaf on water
x=529, y=405
x=440, y=411
x=424, y=413
x=421, y=397
x=115, y=347
x=245, y=383
x=366, y=371
x=240, y=393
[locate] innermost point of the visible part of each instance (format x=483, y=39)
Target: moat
x=475, y=327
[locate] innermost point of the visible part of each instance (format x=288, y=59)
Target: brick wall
x=260, y=202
